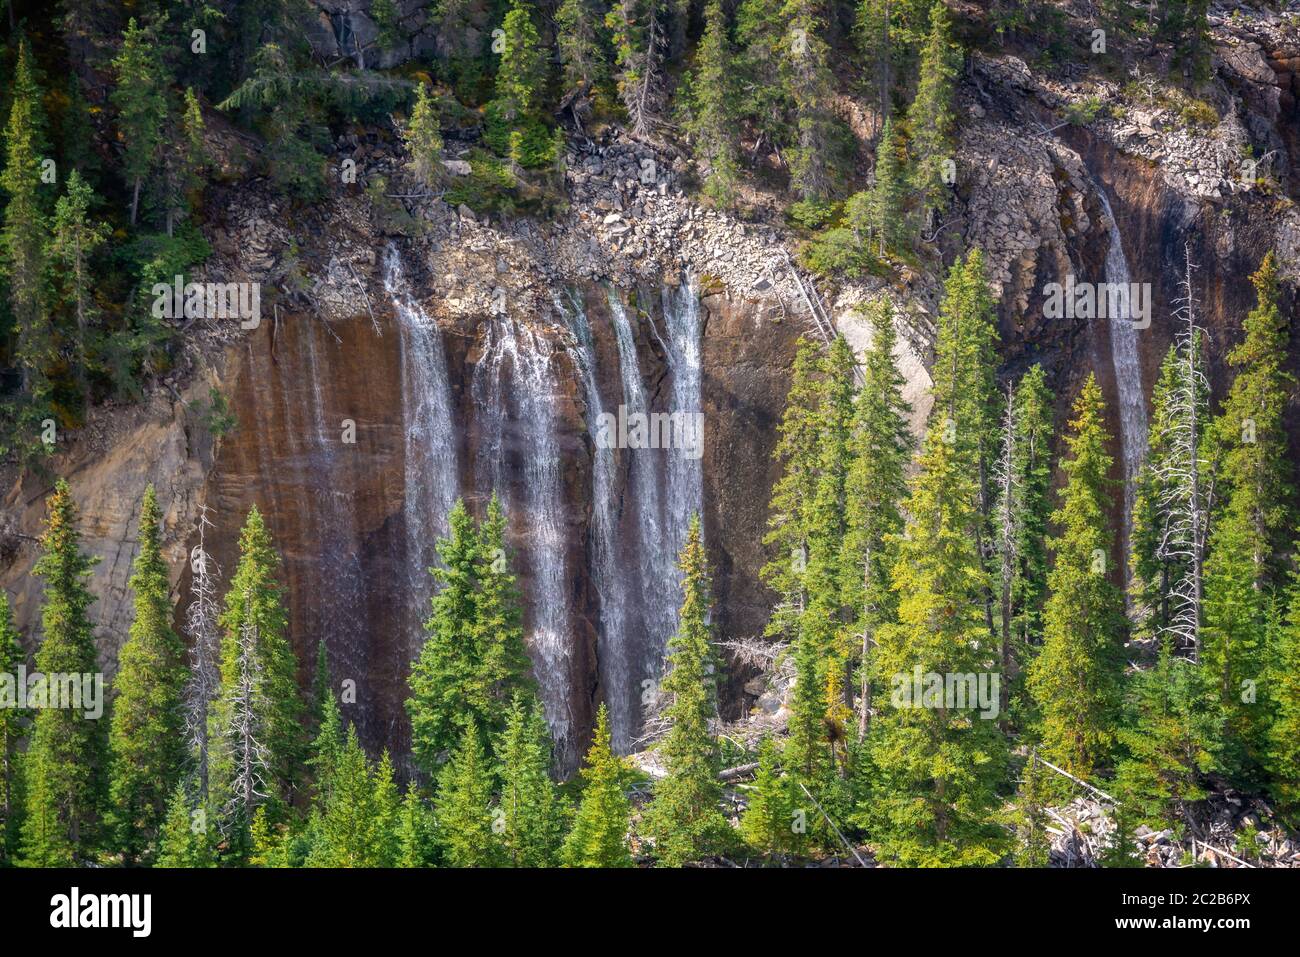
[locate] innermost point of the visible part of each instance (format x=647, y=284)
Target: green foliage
x=185, y=839
x=473, y=660
x=713, y=119
x=358, y=814
x=218, y=418
x=1075, y=680
x=532, y=815
x=423, y=137
x=67, y=757
x=1282, y=684
x=684, y=819
x=141, y=101
x=1032, y=842
x=12, y=725
x=580, y=37
x=146, y=740
x=769, y=822
x=931, y=119
x=879, y=212
x=463, y=807
x=600, y=826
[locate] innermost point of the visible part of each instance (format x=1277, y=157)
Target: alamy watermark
x=209, y=300
x=955, y=691
x=1099, y=300
x=73, y=691
x=683, y=431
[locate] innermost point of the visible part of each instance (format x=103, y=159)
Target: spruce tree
x=75, y=239
x=531, y=812
x=1253, y=485
x=356, y=823
x=880, y=448
x=1032, y=477
x=879, y=211
x=931, y=117
x=598, y=837
x=810, y=87
x=1032, y=843
x=1282, y=683
x=24, y=233
x=638, y=29
x=423, y=137
x=937, y=765
x=473, y=660
x=257, y=718
x=13, y=722
x=768, y=824
x=1075, y=681
x=416, y=837
x=580, y=38
x=140, y=97
x=713, y=116
x=463, y=807
x=684, y=819
x=146, y=740
x=185, y=839
x=67, y=757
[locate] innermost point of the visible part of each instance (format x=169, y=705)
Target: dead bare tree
x=201, y=629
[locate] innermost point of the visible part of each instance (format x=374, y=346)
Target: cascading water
x=608, y=578
x=1128, y=373
x=432, y=476
x=516, y=364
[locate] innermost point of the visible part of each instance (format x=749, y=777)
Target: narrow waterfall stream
x=1128, y=377
x=432, y=477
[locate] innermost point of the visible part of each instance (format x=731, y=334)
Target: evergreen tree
x=257, y=720
x=1253, y=485
x=22, y=239
x=937, y=764
x=184, y=839
x=531, y=812
x=768, y=824
x=879, y=211
x=330, y=736
x=13, y=721
x=358, y=814
x=521, y=72
x=1031, y=467
x=474, y=659
x=1282, y=681
x=141, y=100
x=599, y=834
x=880, y=448
x=579, y=35
x=67, y=757
x=423, y=137
x=1075, y=681
x=713, y=119
x=463, y=807
x=931, y=117
x=146, y=740
x=684, y=819
x=181, y=166
x=1032, y=843
x=762, y=96
x=416, y=837
x=75, y=239
x=639, y=32
x=810, y=87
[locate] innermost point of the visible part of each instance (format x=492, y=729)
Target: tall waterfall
x=514, y=392
x=432, y=476
x=664, y=487
x=1128, y=374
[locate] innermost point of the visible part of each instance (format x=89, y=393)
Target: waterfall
x=432, y=483
x=664, y=488
x=608, y=578
x=1128, y=375
x=515, y=364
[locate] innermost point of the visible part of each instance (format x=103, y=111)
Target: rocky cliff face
x=410, y=353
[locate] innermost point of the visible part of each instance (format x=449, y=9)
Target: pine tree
x=416, y=838
x=181, y=167
x=184, y=839
x=1253, y=485
x=22, y=240
x=638, y=30
x=937, y=765
x=146, y=740
x=75, y=238
x=67, y=757
x=599, y=834
x=879, y=211
x=1032, y=843
x=1282, y=681
x=1167, y=737
x=257, y=719
x=880, y=448
x=13, y=721
x=684, y=819
x=474, y=659
x=931, y=117
x=1075, y=681
x=768, y=824
x=713, y=120
x=810, y=87
x=1031, y=467
x=141, y=100
x=330, y=735
x=579, y=35
x=521, y=71
x=463, y=807
x=357, y=815
x=531, y=811
x=423, y=137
